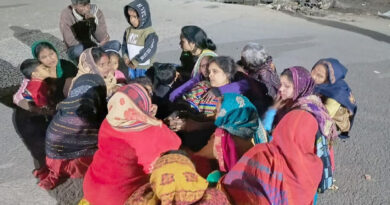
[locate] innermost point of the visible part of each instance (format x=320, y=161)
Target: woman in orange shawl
x=285, y=171
x=130, y=141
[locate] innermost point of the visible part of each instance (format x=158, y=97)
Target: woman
x=329, y=74
x=60, y=69
x=195, y=41
x=258, y=64
x=71, y=139
x=285, y=171
x=174, y=181
x=296, y=92
x=129, y=137
x=238, y=125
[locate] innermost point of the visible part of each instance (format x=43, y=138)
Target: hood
x=142, y=8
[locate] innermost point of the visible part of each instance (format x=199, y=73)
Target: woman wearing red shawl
x=284, y=171
x=296, y=92
x=130, y=141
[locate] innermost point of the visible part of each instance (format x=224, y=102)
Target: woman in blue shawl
x=336, y=95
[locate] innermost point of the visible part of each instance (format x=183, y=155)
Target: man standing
x=82, y=25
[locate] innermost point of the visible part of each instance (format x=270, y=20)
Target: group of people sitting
x=208, y=131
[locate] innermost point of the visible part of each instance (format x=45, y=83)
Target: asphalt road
x=291, y=41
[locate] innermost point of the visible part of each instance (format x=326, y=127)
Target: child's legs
x=136, y=73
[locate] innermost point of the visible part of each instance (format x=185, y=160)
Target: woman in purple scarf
x=297, y=92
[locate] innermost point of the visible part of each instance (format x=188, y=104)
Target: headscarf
x=267, y=75
x=174, y=181
x=195, y=98
x=87, y=65
x=284, y=171
x=205, y=52
x=73, y=131
x=59, y=69
x=304, y=99
x=129, y=108
x=238, y=117
x=337, y=88
x=143, y=11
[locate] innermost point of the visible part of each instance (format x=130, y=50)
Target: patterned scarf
x=304, y=99
x=196, y=100
x=174, y=181
x=129, y=108
x=73, y=131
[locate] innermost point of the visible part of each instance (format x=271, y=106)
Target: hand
x=153, y=110
x=279, y=102
x=127, y=61
x=131, y=65
x=88, y=15
x=209, y=96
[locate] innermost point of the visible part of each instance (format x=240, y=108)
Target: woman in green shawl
x=60, y=69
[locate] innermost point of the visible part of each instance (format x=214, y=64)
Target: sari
x=237, y=117
x=130, y=141
x=174, y=181
x=71, y=138
x=284, y=171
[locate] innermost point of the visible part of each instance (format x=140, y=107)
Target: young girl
x=329, y=74
x=118, y=66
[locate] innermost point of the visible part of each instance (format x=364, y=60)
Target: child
x=37, y=89
x=118, y=66
x=164, y=78
x=329, y=74
x=139, y=40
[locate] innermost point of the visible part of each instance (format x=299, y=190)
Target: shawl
x=59, y=69
x=129, y=108
x=73, y=131
x=304, y=99
x=267, y=75
x=239, y=117
x=87, y=65
x=337, y=88
x=205, y=52
x=284, y=171
x=174, y=181
x=195, y=98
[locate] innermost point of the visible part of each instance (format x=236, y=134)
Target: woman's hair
x=97, y=53
x=144, y=82
x=182, y=152
x=164, y=73
x=28, y=66
x=287, y=72
x=41, y=46
x=254, y=54
x=84, y=2
x=227, y=65
x=196, y=35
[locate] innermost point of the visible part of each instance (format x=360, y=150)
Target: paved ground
x=363, y=45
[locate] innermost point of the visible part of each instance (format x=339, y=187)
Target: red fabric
x=285, y=171
x=120, y=165
x=38, y=90
x=56, y=169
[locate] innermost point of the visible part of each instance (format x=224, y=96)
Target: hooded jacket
x=140, y=44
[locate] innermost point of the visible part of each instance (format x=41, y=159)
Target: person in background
x=82, y=26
